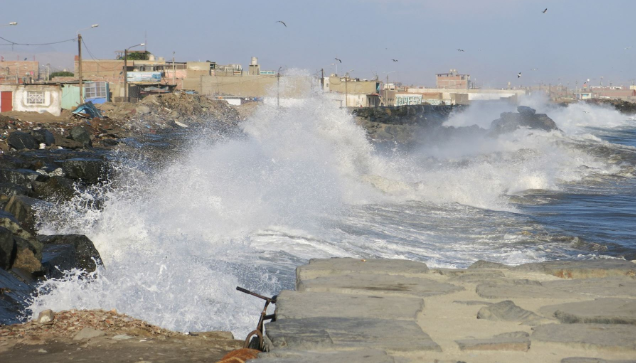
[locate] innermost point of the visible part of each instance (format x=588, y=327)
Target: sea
x=182, y=224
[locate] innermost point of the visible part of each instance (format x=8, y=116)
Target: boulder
x=55, y=187
x=90, y=171
x=21, y=140
x=27, y=256
x=81, y=135
x=14, y=299
x=7, y=248
x=67, y=143
x=10, y=189
x=58, y=258
x=527, y=117
x=21, y=177
x=85, y=252
x=23, y=209
x=43, y=136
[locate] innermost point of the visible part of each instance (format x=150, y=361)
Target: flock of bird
x=458, y=49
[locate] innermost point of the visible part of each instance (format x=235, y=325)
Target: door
x=6, y=101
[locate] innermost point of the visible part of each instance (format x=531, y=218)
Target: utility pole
x=322, y=78
x=174, y=71
x=126, y=75
x=79, y=63
x=346, y=92
x=278, y=88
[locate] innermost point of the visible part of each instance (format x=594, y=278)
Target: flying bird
x=544, y=11
x=338, y=59
x=519, y=75
x=460, y=50
x=282, y=22
x=395, y=60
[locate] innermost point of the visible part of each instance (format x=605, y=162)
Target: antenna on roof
x=145, y=40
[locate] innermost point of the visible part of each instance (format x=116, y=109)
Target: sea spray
x=303, y=182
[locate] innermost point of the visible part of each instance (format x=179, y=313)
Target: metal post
x=346, y=92
x=79, y=63
x=126, y=75
x=174, y=72
x=278, y=89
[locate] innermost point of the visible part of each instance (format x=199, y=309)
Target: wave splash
x=176, y=241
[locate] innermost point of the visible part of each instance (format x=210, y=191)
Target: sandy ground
x=121, y=339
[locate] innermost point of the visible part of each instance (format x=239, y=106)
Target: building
x=19, y=72
x=453, y=80
x=352, y=92
x=31, y=98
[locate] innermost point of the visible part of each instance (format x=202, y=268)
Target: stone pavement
x=354, y=310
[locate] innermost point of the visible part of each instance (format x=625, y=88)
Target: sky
x=574, y=40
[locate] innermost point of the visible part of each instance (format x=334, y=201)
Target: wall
x=52, y=98
x=250, y=86
x=337, y=84
x=474, y=94
x=24, y=69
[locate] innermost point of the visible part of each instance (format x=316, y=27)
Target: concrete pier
x=353, y=310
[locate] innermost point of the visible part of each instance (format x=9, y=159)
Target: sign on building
x=147, y=77
x=410, y=99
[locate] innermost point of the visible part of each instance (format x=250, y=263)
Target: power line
x=12, y=43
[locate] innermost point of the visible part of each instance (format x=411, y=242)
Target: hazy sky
x=573, y=41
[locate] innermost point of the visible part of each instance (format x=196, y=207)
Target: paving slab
x=509, y=311
x=511, y=289
x=607, y=287
x=363, y=355
x=515, y=341
x=593, y=360
x=481, y=264
x=345, y=266
x=299, y=305
x=599, y=311
x=610, y=337
x=345, y=334
x=378, y=284
x=582, y=269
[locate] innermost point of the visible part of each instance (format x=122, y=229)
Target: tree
x=61, y=74
x=134, y=55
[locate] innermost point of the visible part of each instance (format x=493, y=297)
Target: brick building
x=453, y=80
x=19, y=71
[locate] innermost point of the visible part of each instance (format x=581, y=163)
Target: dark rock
x=58, y=258
x=508, y=311
x=55, y=187
x=86, y=253
x=526, y=111
x=79, y=134
x=510, y=121
x=27, y=256
x=43, y=136
x=13, y=299
x=68, y=143
x=8, y=221
x=90, y=171
x=7, y=248
x=22, y=177
x=10, y=189
x=23, y=210
x=21, y=140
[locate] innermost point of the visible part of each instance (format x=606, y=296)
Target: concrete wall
x=474, y=94
x=52, y=98
x=250, y=86
x=337, y=84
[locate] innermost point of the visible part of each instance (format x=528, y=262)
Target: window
x=96, y=90
x=35, y=97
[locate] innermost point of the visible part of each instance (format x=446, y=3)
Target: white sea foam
x=301, y=183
